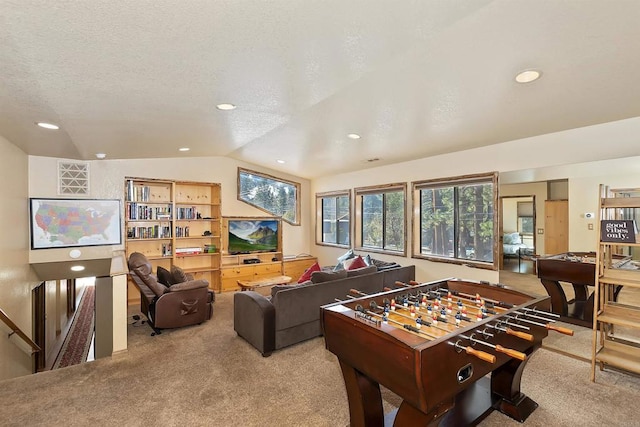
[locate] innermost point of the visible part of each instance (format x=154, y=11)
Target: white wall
x=107, y=182
x=546, y=157
x=16, y=277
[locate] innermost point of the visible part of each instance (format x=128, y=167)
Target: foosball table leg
x=505, y=388
x=365, y=400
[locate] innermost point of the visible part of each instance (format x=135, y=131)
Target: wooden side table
x=252, y=285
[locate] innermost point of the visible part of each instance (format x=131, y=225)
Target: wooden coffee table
x=251, y=285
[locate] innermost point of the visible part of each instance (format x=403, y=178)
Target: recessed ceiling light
x=77, y=268
x=48, y=125
x=280, y=161
x=528, y=76
x=353, y=136
x=101, y=155
x=184, y=149
x=226, y=107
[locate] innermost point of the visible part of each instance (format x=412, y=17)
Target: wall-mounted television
x=252, y=235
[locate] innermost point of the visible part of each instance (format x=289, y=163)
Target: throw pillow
x=368, y=260
x=307, y=273
x=164, y=276
x=358, y=262
x=348, y=255
x=327, y=276
x=178, y=274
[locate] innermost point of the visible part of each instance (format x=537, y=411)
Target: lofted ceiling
x=140, y=79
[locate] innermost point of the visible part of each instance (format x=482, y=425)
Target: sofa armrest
x=192, y=284
x=254, y=319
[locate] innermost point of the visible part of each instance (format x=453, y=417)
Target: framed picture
x=62, y=223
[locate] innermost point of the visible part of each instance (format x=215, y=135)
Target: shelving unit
x=174, y=223
x=616, y=326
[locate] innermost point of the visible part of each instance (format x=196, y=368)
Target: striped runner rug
x=76, y=346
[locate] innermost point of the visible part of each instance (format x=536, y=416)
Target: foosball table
x=433, y=345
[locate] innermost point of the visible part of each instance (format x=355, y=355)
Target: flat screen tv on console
x=252, y=235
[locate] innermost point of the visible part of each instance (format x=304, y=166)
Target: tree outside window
x=273, y=195
x=334, y=218
x=456, y=219
x=381, y=218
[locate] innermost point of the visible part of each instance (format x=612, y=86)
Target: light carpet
x=207, y=376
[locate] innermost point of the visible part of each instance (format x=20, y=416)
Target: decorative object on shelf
x=618, y=230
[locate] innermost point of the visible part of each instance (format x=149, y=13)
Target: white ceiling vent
x=73, y=178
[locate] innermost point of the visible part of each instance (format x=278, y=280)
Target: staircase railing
x=16, y=330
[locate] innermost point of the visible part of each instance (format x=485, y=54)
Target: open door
x=517, y=233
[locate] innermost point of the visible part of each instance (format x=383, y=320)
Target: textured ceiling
x=139, y=79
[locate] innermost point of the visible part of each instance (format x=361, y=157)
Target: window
x=380, y=218
x=273, y=195
x=333, y=218
x=525, y=218
x=454, y=219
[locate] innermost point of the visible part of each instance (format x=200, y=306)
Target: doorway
x=517, y=233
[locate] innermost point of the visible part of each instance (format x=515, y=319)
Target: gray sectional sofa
x=292, y=313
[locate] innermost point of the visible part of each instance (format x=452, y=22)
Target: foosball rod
x=474, y=298
x=487, y=357
x=508, y=351
x=499, y=304
x=404, y=325
x=549, y=326
x=430, y=323
x=508, y=331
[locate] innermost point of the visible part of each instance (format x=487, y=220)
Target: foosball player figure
x=443, y=314
x=385, y=317
x=449, y=308
x=434, y=319
x=449, y=296
x=412, y=311
x=458, y=319
x=419, y=322
x=424, y=300
x=393, y=304
x=429, y=310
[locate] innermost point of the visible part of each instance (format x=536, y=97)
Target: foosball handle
x=487, y=357
x=521, y=335
x=399, y=283
x=560, y=329
x=511, y=353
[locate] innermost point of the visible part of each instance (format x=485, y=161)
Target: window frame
x=273, y=178
x=377, y=189
x=417, y=186
x=319, y=217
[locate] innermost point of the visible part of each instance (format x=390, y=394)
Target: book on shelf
x=189, y=251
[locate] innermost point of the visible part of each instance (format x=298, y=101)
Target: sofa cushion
x=164, y=276
x=179, y=276
x=307, y=273
x=342, y=258
x=327, y=276
x=277, y=288
x=357, y=262
x=363, y=270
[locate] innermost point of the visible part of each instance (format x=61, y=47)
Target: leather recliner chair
x=182, y=304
